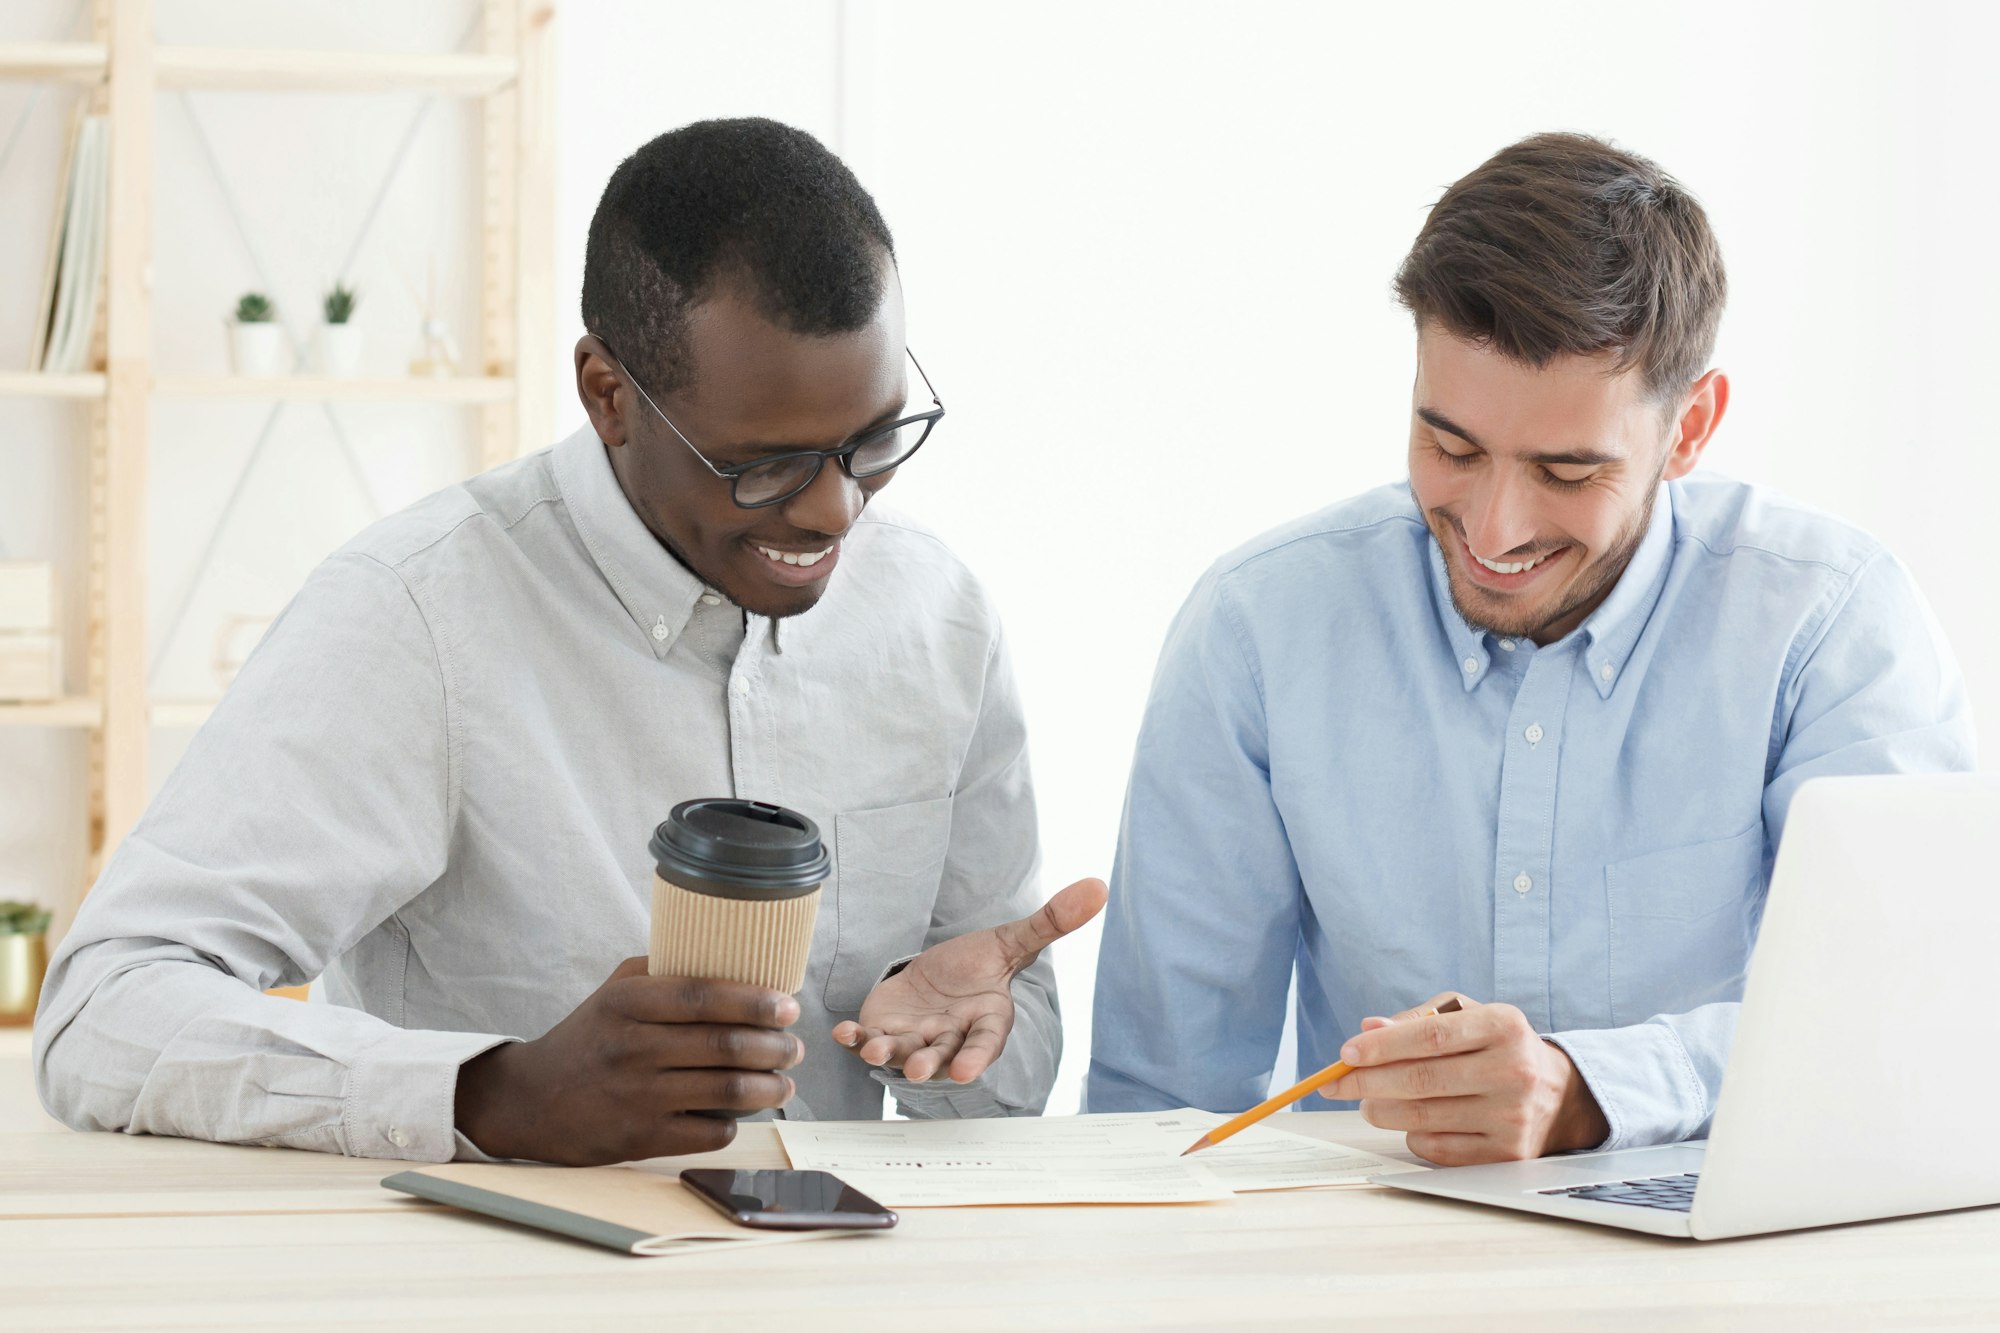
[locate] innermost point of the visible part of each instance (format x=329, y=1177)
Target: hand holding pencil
x=1338, y=1069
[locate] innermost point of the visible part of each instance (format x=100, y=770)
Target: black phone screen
x=787, y=1199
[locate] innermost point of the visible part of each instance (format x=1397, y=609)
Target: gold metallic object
x=24, y=959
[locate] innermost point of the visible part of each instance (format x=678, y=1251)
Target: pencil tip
x=1199, y=1144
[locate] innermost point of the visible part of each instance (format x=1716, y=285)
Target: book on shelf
x=68, y=314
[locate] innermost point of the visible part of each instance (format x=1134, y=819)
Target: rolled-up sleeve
x=316, y=802
x=1872, y=687
x=1205, y=892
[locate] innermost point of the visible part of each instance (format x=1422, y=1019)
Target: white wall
x=1147, y=250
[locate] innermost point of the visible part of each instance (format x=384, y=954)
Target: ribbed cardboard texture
x=30, y=667
x=761, y=942
x=27, y=596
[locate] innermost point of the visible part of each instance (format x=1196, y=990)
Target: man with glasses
x=432, y=785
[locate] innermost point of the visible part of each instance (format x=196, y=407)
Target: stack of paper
x=1133, y=1158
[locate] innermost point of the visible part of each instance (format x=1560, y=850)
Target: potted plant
x=256, y=343
x=24, y=957
x=339, y=339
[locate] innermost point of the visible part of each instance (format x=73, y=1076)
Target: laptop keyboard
x=1673, y=1193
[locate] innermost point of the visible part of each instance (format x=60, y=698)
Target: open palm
x=952, y=1007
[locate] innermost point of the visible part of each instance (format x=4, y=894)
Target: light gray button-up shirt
x=432, y=785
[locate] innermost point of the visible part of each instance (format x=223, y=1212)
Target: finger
x=933, y=1057
x=715, y=1046
x=847, y=1033
x=1073, y=907
x=892, y=1048
x=984, y=1042
x=1419, y=1038
x=1411, y=1080
x=1431, y=1115
x=1437, y=1001
x=631, y=967
x=723, y=1090
x=1453, y=1149
x=699, y=1000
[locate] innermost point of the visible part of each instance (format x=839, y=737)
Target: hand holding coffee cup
x=660, y=1059
x=735, y=894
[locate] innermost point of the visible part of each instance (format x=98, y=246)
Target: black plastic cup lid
x=740, y=849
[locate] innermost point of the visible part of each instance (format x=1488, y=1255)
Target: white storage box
x=27, y=596
x=30, y=667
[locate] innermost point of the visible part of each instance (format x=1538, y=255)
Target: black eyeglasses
x=776, y=479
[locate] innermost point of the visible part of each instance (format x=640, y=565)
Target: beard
x=1485, y=612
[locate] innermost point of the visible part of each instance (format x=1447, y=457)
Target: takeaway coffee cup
x=735, y=893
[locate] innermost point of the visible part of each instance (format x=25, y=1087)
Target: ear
x=597, y=386
x=1700, y=414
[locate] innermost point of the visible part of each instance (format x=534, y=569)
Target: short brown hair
x=1562, y=244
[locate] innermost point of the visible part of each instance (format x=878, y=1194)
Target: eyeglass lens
x=783, y=477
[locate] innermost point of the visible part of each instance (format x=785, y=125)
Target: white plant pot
x=339, y=349
x=257, y=349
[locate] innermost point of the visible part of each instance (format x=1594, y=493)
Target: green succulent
x=339, y=304
x=23, y=919
x=254, y=308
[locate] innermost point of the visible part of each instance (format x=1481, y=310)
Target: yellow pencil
x=1296, y=1091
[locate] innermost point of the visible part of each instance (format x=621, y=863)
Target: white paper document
x=1126, y=1158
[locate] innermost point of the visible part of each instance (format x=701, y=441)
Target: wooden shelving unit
x=77, y=62
x=509, y=76
x=25, y=385
x=239, y=70
x=55, y=713
x=312, y=388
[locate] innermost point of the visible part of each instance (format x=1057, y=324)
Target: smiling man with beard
x=432, y=785
x=1525, y=727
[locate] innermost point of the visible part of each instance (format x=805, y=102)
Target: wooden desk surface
x=105, y=1230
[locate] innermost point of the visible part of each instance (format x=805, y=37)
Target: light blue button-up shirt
x=1336, y=773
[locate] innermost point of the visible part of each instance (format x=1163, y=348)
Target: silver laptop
x=1865, y=1049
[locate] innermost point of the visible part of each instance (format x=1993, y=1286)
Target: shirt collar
x=1610, y=632
x=657, y=591
x=1613, y=629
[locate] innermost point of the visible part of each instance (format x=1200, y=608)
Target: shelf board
x=34, y=384
x=82, y=62
x=240, y=69
x=71, y=712
x=311, y=388
x=188, y=713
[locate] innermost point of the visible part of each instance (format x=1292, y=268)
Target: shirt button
x=1604, y=673
x=660, y=630
x=1471, y=665
x=1522, y=883
x=740, y=687
x=397, y=1137
x=710, y=599
x=1506, y=645
x=1534, y=733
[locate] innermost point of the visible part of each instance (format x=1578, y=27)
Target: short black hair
x=746, y=201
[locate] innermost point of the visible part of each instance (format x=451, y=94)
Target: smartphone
x=788, y=1200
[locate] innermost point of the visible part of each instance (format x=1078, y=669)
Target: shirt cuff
x=1643, y=1081
x=399, y=1097
x=940, y=1098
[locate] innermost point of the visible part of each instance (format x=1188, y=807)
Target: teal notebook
x=622, y=1207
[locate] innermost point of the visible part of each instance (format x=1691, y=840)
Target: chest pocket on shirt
x=887, y=865
x=1681, y=925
